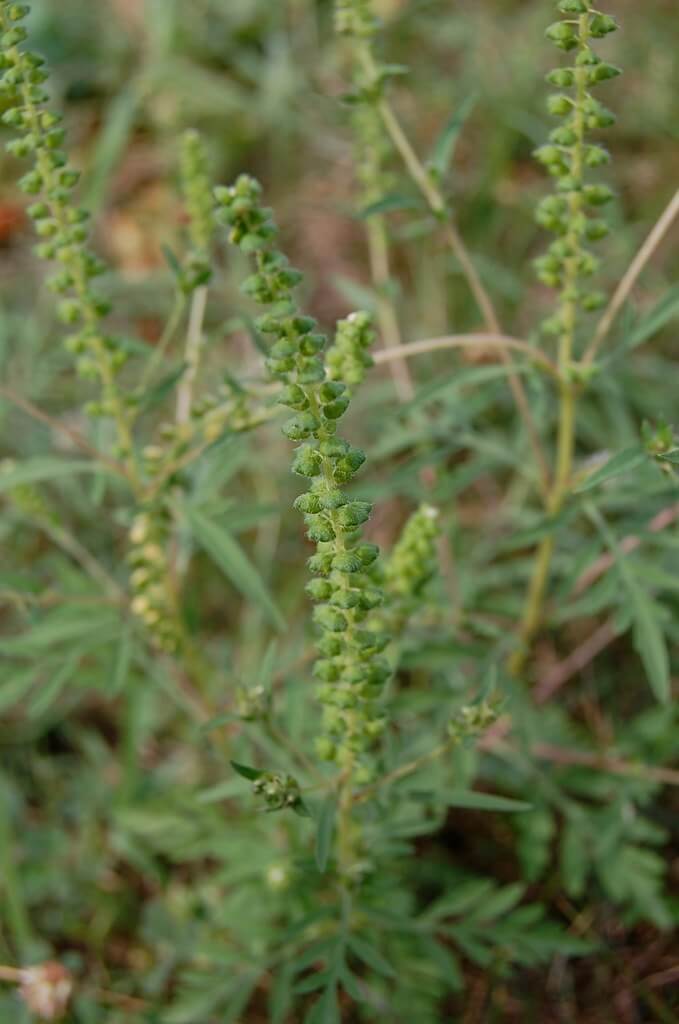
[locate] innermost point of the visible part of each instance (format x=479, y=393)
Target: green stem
x=378, y=248
x=166, y=337
x=559, y=490
x=440, y=209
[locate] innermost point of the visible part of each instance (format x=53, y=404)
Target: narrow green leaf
x=280, y=997
x=246, y=771
x=40, y=468
x=485, y=802
x=389, y=204
x=171, y=260
x=653, y=321
x=672, y=457
x=157, y=394
x=649, y=641
x=496, y=904
x=325, y=831
x=227, y=553
x=648, y=635
x=118, y=125
x=121, y=667
x=312, y=982
x=622, y=462
x=218, y=721
x=370, y=956
x=53, y=686
x=444, y=147
x=15, y=687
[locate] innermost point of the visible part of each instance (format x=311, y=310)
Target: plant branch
x=439, y=208
x=494, y=340
x=666, y=517
x=390, y=330
x=60, y=428
x=627, y=283
x=194, y=343
x=576, y=661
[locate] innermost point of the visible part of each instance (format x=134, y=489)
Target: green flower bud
x=347, y=562
x=331, y=390
x=597, y=195
x=334, y=410
x=309, y=502
x=300, y=427
x=354, y=513
x=329, y=618
x=307, y=462
x=562, y=35
x=596, y=229
x=563, y=136
x=596, y=156
x=69, y=311
x=319, y=589
x=587, y=58
x=31, y=183
x=331, y=498
x=573, y=6
x=601, y=24
x=345, y=599
x=602, y=73
x=559, y=104
x=320, y=564
x=325, y=748
x=320, y=531
x=563, y=78
x=593, y=301
x=367, y=553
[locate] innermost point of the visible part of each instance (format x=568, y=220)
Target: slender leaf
x=370, y=956
x=622, y=462
x=234, y=563
x=40, y=468
x=486, y=802
x=246, y=771
x=444, y=147
x=389, y=204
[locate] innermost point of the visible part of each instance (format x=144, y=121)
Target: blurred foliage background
x=85, y=874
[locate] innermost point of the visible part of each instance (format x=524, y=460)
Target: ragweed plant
x=407, y=783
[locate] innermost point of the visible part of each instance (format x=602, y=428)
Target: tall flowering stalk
x=571, y=214
x=357, y=23
x=59, y=221
x=351, y=668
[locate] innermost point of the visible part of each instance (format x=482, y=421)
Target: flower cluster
x=152, y=600
x=355, y=18
x=279, y=791
x=412, y=563
x=349, y=357
x=570, y=212
x=351, y=668
x=414, y=559
x=60, y=223
x=472, y=720
x=197, y=192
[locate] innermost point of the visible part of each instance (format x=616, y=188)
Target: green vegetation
x=413, y=756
